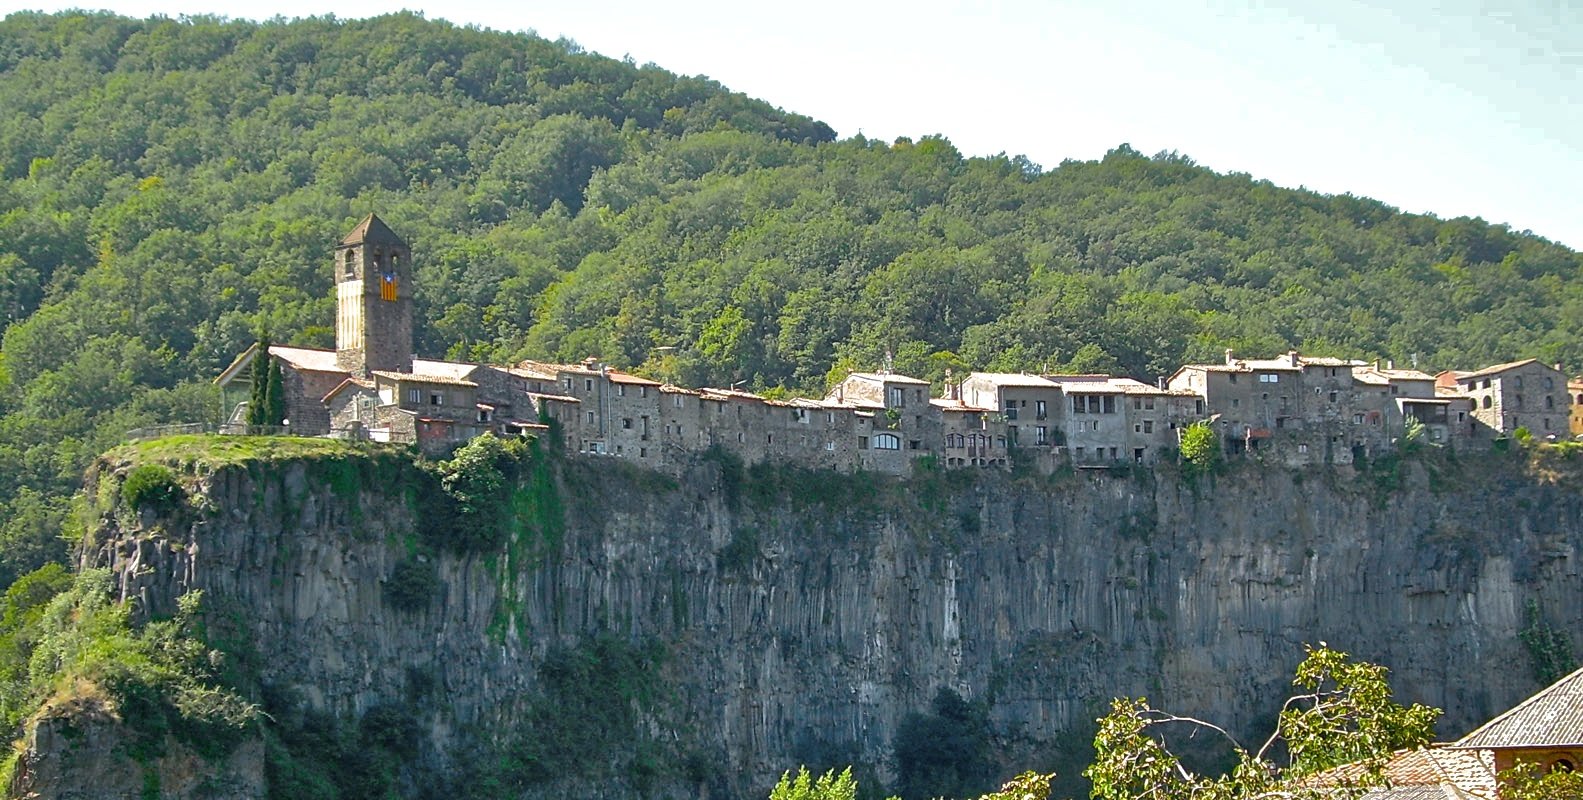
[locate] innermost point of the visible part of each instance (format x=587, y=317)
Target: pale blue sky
x=1453, y=108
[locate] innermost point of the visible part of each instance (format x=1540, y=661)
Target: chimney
x=1160, y=381
x=1291, y=355
x=1390, y=365
x=1231, y=359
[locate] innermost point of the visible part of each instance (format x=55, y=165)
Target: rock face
x=802, y=619
x=77, y=752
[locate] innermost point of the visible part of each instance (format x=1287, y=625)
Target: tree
x=1526, y=781
x=1343, y=715
x=829, y=786
x=1200, y=447
x=267, y=404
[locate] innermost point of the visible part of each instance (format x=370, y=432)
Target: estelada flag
x=387, y=285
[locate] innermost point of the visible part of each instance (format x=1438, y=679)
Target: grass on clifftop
x=217, y=450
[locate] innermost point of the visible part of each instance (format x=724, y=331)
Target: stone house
x=1519, y=394
x=894, y=421
x=1105, y=419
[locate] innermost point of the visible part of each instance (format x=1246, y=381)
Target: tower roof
x=372, y=230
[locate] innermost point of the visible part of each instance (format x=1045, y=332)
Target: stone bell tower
x=373, y=292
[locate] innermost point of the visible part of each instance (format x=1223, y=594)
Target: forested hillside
x=171, y=189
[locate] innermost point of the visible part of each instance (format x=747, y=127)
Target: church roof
x=372, y=230
x=1551, y=718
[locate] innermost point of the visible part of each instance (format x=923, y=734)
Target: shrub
x=1523, y=435
x=1199, y=445
x=151, y=485
x=412, y=584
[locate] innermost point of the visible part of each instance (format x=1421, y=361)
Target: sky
x=1450, y=108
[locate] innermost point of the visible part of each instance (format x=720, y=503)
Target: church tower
x=373, y=291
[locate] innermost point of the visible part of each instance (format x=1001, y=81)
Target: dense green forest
x=171, y=189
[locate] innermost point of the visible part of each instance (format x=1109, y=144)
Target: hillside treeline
x=171, y=189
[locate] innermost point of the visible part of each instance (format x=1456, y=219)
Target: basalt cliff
x=633, y=635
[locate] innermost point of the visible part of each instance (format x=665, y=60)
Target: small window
x=862, y=442
x=1486, y=402
x=414, y=396
x=1517, y=381
x=1357, y=419
x=621, y=390
x=897, y=396
x=436, y=399
x=626, y=423
x=676, y=400
x=590, y=418
x=588, y=384
x=643, y=391
x=1148, y=426
x=350, y=270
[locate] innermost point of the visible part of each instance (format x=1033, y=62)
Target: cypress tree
x=258, y=377
x=275, y=395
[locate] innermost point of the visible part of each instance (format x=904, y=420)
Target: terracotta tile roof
x=1551, y=718
x=958, y=405
x=1436, y=772
x=1105, y=384
x=887, y=377
x=1017, y=379
x=372, y=229
x=559, y=398
x=308, y=358
x=630, y=379
x=349, y=383
x=412, y=377
x=450, y=369
x=1498, y=368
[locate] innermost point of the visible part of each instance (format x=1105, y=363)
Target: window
x=1148, y=403
x=1332, y=397
x=1137, y=404
x=436, y=399
x=1038, y=409
x=590, y=418
x=1235, y=402
x=1550, y=402
x=1357, y=419
x=1011, y=410
x=414, y=396
x=1041, y=435
x=897, y=396
x=1302, y=448
x=676, y=400
x=1486, y=402
x=1110, y=404
x=678, y=430
x=643, y=452
x=483, y=415
x=1233, y=377
x=1148, y=426
x=1395, y=389
x=917, y=395
x=1079, y=452
x=1486, y=384
x=1517, y=381
x=829, y=446
x=351, y=266
x=1078, y=406
x=626, y=423
x=1550, y=383
x=643, y=391
x=621, y=390
x=914, y=444
x=568, y=383
x=862, y=442
x=1517, y=401
x=1269, y=377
